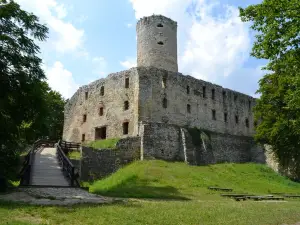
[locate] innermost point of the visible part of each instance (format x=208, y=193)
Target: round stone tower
x=157, y=42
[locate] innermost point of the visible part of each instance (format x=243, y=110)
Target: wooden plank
x=46, y=169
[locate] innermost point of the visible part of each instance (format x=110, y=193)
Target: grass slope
x=160, y=179
x=195, y=204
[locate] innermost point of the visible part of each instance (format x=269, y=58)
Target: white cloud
x=129, y=63
x=210, y=45
x=129, y=25
x=61, y=80
x=64, y=36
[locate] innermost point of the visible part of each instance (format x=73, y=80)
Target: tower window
x=101, y=111
x=86, y=95
x=213, y=113
x=188, y=108
x=127, y=82
x=204, y=91
x=84, y=118
x=235, y=98
x=160, y=25
x=225, y=117
x=125, y=127
x=247, y=122
x=126, y=105
x=213, y=94
x=160, y=43
x=249, y=104
x=165, y=103
x=164, y=82
x=102, y=90
x=83, y=138
x=188, y=90
x=236, y=119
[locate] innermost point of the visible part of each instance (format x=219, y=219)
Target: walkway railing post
x=72, y=177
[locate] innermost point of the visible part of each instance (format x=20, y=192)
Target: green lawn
x=106, y=143
x=74, y=155
x=173, y=193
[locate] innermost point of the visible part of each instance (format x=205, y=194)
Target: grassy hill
x=160, y=179
x=171, y=194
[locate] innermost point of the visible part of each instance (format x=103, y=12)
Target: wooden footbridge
x=47, y=165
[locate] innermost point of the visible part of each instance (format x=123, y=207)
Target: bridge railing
x=68, y=168
x=25, y=173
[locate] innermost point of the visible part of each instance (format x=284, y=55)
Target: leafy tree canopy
x=29, y=109
x=277, y=23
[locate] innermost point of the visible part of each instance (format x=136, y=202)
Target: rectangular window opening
x=213, y=94
x=225, y=117
x=86, y=95
x=101, y=111
x=188, y=108
x=236, y=119
x=84, y=118
x=213, y=114
x=127, y=82
x=83, y=138
x=204, y=91
x=188, y=90
x=125, y=128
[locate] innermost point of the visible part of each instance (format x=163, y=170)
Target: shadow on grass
x=134, y=187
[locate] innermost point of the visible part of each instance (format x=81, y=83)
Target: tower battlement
x=147, y=20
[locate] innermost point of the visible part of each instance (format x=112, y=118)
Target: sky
x=90, y=39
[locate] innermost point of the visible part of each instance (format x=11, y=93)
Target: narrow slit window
x=165, y=103
x=127, y=82
x=83, y=138
x=102, y=90
x=213, y=94
x=224, y=96
x=236, y=119
x=213, y=114
x=204, y=91
x=84, y=118
x=86, y=95
x=225, y=117
x=101, y=111
x=164, y=82
x=126, y=105
x=247, y=122
x=188, y=90
x=235, y=98
x=188, y=108
x=249, y=104
x=160, y=25
x=125, y=128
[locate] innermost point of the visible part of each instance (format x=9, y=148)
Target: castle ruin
x=161, y=106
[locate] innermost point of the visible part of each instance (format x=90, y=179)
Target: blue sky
x=90, y=39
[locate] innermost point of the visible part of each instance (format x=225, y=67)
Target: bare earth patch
x=54, y=196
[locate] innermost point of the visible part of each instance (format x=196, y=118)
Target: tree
x=21, y=76
x=277, y=23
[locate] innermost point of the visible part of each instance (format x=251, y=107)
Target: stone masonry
x=158, y=104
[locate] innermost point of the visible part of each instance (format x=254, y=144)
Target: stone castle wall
x=88, y=100
x=99, y=163
x=164, y=141
x=165, y=96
